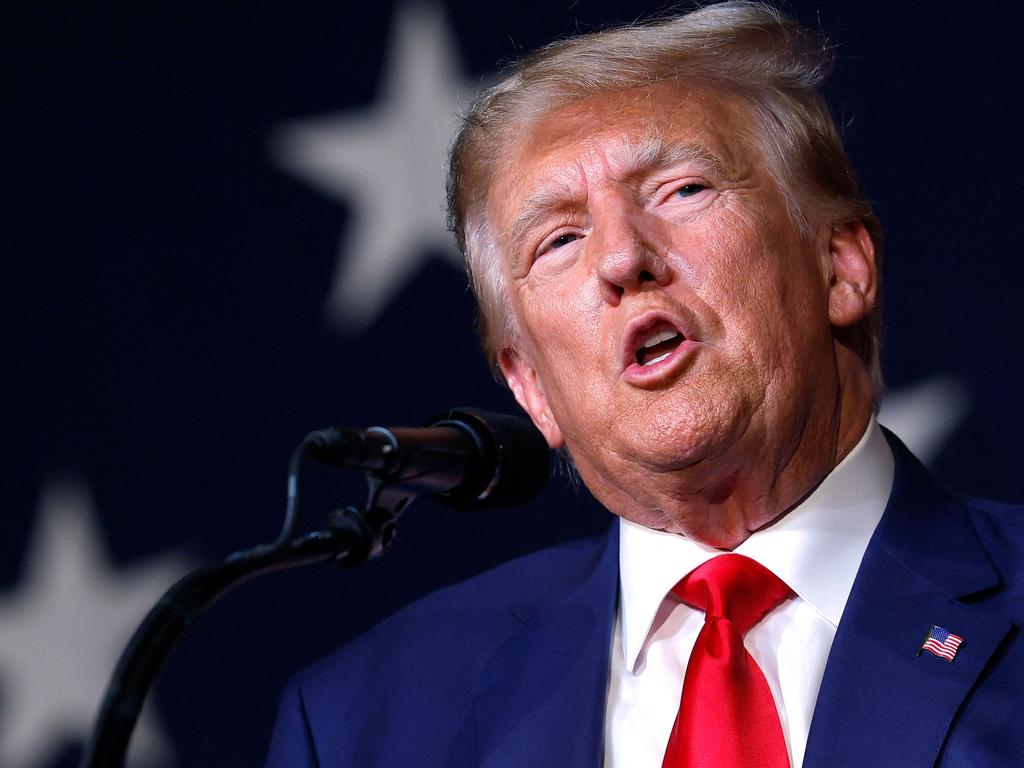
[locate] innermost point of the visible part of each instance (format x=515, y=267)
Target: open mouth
x=655, y=346
x=658, y=345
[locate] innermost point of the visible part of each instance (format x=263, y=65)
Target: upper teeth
x=657, y=338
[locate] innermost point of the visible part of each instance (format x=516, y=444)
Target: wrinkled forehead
x=624, y=133
x=621, y=150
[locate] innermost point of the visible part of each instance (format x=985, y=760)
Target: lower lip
x=661, y=371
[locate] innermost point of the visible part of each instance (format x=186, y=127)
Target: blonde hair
x=745, y=49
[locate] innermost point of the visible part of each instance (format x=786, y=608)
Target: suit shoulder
x=999, y=524
x=460, y=620
x=403, y=693
x=545, y=575
x=997, y=512
x=1000, y=527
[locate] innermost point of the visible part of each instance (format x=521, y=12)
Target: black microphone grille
x=515, y=461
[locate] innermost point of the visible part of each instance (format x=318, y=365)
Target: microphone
x=465, y=458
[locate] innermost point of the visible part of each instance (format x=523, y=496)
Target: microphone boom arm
x=462, y=459
x=170, y=618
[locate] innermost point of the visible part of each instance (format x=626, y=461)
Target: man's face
x=674, y=321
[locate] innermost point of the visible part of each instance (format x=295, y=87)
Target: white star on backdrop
x=388, y=162
x=63, y=628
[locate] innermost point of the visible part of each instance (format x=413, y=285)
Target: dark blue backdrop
x=182, y=190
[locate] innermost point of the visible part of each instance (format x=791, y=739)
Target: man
x=678, y=278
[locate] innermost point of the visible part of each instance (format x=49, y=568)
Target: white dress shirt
x=816, y=549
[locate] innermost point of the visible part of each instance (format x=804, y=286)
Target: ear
x=853, y=274
x=522, y=380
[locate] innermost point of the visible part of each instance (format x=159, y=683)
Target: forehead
x=624, y=132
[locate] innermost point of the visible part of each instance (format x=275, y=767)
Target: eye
x=559, y=241
x=689, y=190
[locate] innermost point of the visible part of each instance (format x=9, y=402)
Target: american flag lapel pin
x=941, y=642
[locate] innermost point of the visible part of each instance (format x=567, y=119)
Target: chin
x=679, y=437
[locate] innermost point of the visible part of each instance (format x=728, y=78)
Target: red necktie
x=727, y=717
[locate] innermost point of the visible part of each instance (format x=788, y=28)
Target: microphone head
x=514, y=460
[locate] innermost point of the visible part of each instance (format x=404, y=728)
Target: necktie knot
x=735, y=588
x=727, y=716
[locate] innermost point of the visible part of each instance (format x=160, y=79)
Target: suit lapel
x=539, y=698
x=880, y=703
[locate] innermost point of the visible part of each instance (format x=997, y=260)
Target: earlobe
x=522, y=380
x=853, y=274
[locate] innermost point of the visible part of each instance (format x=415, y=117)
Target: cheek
x=724, y=266
x=758, y=279
x=563, y=322
x=565, y=327
x=763, y=259
x=563, y=314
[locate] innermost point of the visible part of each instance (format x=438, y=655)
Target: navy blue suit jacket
x=511, y=667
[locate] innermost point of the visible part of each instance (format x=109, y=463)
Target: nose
x=629, y=251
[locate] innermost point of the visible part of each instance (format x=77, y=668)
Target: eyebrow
x=652, y=151
x=551, y=199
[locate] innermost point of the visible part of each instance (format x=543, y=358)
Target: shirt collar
x=816, y=548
